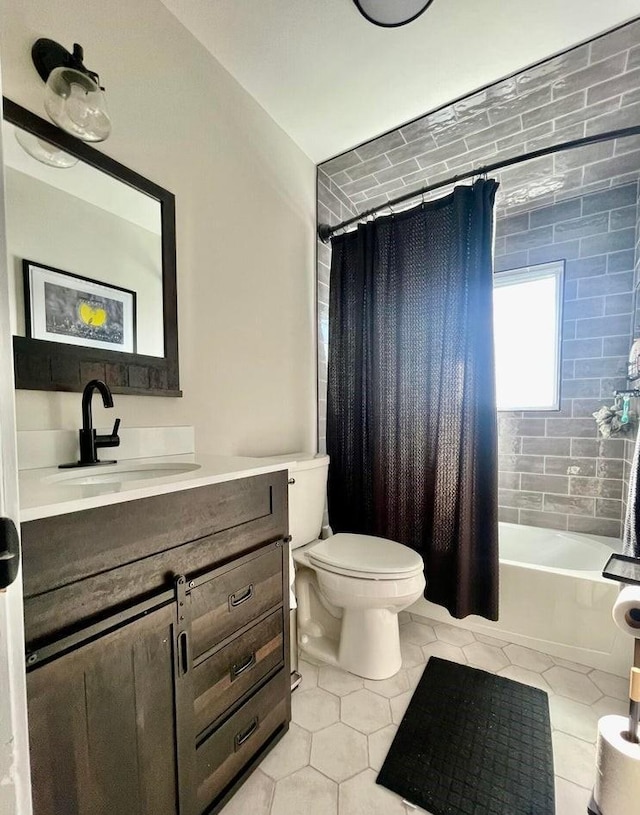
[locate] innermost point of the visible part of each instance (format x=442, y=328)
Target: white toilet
x=349, y=588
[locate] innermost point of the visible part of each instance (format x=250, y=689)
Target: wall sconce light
x=391, y=13
x=44, y=151
x=74, y=99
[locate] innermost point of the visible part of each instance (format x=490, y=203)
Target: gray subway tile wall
x=630, y=443
x=592, y=88
x=578, y=482
x=580, y=206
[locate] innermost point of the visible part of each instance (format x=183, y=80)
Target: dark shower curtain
x=411, y=425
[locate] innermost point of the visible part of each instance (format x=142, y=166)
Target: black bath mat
x=472, y=743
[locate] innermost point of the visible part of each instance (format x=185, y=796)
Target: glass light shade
x=391, y=13
x=44, y=151
x=76, y=104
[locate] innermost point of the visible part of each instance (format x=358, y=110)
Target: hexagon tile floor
x=343, y=726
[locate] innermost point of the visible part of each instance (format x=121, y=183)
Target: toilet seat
x=365, y=557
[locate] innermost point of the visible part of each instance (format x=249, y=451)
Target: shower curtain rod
x=325, y=231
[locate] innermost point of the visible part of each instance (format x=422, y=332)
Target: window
x=527, y=319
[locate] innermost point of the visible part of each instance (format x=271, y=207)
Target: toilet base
x=353, y=623
x=369, y=644
x=322, y=649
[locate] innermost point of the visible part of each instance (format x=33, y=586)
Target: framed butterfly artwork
x=69, y=308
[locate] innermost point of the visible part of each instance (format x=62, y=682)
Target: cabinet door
x=102, y=724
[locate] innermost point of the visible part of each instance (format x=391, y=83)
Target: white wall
x=245, y=199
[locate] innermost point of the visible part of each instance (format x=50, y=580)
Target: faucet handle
x=114, y=439
x=111, y=440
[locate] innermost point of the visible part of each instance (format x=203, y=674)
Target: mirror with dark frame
x=92, y=257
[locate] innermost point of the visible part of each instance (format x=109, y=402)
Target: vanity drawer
x=227, y=675
x=223, y=604
x=223, y=755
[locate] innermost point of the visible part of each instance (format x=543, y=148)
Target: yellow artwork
x=92, y=316
x=66, y=307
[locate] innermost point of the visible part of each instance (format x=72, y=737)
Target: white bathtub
x=553, y=598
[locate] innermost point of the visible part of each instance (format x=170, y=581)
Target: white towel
x=630, y=537
x=293, y=603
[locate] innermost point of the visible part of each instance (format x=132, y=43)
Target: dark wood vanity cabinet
x=102, y=726
x=157, y=648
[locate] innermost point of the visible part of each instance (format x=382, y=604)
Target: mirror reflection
x=85, y=251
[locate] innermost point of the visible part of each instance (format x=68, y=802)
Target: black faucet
x=90, y=441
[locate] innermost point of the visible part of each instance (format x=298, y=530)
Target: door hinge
x=9, y=552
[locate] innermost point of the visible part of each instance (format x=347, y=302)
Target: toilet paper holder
x=634, y=716
x=625, y=570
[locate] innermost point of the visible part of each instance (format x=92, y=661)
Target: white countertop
x=43, y=494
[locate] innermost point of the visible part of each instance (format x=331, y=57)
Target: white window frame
x=555, y=269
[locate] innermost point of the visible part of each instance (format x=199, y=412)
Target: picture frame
x=69, y=308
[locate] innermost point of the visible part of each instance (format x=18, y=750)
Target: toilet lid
x=365, y=554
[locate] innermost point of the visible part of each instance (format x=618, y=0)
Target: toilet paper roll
x=617, y=789
x=626, y=610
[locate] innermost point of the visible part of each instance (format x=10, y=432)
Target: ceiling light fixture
x=392, y=13
x=73, y=98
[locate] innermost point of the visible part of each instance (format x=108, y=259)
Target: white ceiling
x=332, y=80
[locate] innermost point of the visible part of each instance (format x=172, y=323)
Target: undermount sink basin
x=117, y=474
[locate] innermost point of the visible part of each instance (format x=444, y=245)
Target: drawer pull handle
x=241, y=597
x=246, y=734
x=240, y=668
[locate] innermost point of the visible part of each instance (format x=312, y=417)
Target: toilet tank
x=307, y=496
